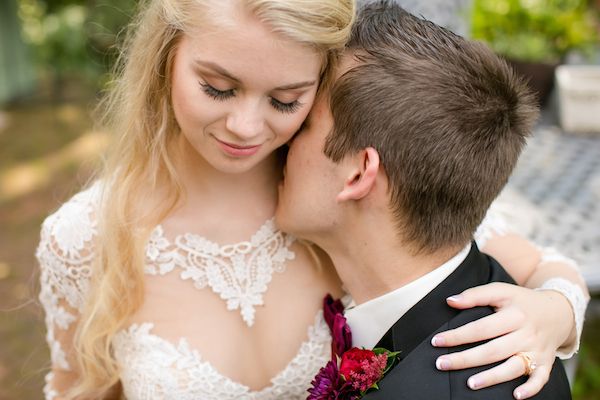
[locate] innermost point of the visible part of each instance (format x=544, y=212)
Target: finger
x=488, y=327
x=496, y=350
x=493, y=294
x=507, y=371
x=535, y=383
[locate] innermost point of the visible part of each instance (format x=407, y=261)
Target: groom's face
x=307, y=206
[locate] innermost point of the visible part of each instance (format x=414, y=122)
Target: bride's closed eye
x=219, y=95
x=290, y=107
x=222, y=95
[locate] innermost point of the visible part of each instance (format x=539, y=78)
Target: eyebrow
x=222, y=71
x=297, y=85
x=218, y=69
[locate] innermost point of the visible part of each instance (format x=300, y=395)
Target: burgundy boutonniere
x=352, y=372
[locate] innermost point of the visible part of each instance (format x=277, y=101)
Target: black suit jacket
x=415, y=377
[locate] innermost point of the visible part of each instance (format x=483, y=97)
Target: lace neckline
x=180, y=355
x=239, y=273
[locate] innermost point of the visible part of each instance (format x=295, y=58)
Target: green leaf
x=373, y=387
x=535, y=30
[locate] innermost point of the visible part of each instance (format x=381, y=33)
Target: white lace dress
x=152, y=366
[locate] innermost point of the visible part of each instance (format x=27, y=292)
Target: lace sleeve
x=65, y=253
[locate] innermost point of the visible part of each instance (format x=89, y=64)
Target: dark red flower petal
x=330, y=309
x=341, y=335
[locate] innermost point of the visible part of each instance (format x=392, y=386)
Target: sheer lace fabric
x=156, y=354
x=158, y=369
x=238, y=273
x=65, y=257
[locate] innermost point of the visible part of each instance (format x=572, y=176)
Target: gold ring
x=528, y=362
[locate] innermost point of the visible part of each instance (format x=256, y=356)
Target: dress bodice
x=156, y=367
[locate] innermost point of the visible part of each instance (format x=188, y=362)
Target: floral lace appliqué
x=154, y=368
x=65, y=259
x=238, y=273
x=65, y=256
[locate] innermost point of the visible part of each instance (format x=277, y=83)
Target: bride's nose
x=246, y=120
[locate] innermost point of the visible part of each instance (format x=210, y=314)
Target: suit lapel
x=432, y=311
x=415, y=376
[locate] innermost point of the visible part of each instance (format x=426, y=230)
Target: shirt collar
x=369, y=321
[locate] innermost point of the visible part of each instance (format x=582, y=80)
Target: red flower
x=363, y=368
x=352, y=360
x=352, y=372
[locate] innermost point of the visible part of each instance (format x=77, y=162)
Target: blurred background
x=55, y=58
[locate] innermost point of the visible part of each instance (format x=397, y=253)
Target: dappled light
x=32, y=175
x=4, y=270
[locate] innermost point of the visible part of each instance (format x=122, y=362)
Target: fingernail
x=473, y=382
x=442, y=364
x=456, y=297
x=437, y=341
x=520, y=394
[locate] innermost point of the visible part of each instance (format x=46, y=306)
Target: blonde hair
x=138, y=108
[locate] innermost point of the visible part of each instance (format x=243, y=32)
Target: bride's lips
x=236, y=150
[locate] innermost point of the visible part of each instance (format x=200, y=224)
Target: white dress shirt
x=369, y=321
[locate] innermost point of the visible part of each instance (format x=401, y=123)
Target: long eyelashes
x=219, y=95
x=222, y=95
x=285, y=107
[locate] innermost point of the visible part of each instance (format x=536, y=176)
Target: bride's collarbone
x=223, y=222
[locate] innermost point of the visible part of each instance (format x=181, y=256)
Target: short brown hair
x=448, y=117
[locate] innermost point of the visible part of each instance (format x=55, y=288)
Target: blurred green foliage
x=536, y=30
x=588, y=373
x=74, y=38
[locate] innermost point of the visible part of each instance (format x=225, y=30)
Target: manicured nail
x=473, y=382
x=456, y=297
x=520, y=394
x=437, y=341
x=442, y=364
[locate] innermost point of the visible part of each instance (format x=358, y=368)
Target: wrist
x=569, y=300
x=566, y=322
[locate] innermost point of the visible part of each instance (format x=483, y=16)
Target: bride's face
x=239, y=92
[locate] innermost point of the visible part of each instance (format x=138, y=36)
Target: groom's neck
x=372, y=261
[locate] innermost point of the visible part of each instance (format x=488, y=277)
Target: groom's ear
x=364, y=167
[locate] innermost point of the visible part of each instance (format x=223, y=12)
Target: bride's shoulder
x=68, y=234
x=75, y=220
